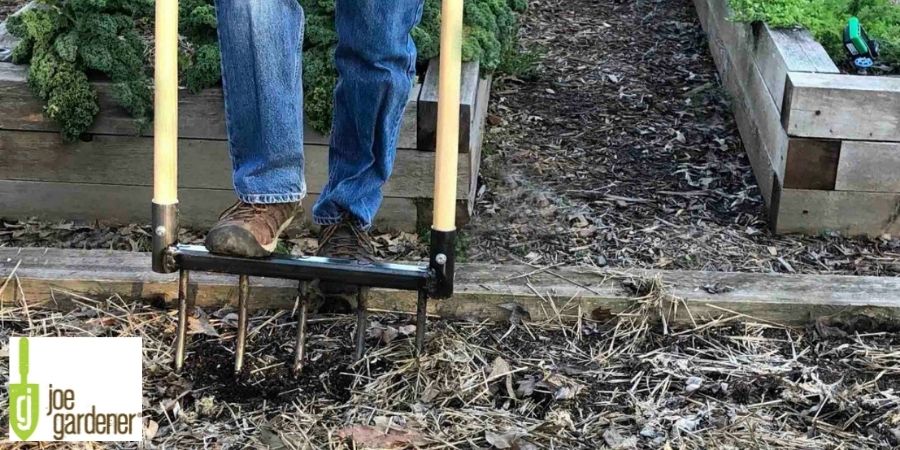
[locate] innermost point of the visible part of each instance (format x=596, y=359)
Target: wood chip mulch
x=624, y=152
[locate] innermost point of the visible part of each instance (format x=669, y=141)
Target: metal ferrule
x=165, y=235
x=441, y=262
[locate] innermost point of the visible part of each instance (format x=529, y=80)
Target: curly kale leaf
x=205, y=70
x=319, y=80
x=71, y=101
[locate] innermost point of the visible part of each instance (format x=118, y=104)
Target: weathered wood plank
x=201, y=116
x=842, y=107
x=428, y=100
x=750, y=99
x=738, y=41
x=482, y=100
x=43, y=156
x=812, y=164
x=851, y=213
x=869, y=166
x=48, y=277
x=779, y=51
x=116, y=204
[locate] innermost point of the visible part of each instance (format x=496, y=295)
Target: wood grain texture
x=752, y=104
x=427, y=106
x=483, y=98
x=117, y=204
x=779, y=51
x=43, y=156
x=812, y=164
x=869, y=166
x=842, y=107
x=851, y=213
x=50, y=277
x=200, y=116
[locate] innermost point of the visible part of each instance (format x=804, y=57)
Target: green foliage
x=319, y=79
x=66, y=40
x=826, y=20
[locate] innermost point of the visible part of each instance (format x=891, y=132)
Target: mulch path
x=624, y=152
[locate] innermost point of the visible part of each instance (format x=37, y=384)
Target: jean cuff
x=331, y=220
x=258, y=199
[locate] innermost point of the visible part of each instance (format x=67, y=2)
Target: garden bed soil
x=621, y=151
x=630, y=381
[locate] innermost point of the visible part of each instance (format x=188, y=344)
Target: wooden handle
x=447, y=145
x=165, y=120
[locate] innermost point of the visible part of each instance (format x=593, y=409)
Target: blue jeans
x=261, y=42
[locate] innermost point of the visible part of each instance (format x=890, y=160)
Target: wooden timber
x=842, y=107
x=60, y=278
x=811, y=134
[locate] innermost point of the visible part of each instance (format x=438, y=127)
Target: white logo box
x=90, y=377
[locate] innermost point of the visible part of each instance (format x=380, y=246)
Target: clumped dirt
x=636, y=380
x=622, y=151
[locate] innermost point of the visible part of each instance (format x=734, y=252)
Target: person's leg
x=261, y=42
x=376, y=59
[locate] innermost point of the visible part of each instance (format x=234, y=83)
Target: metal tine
x=421, y=320
x=243, y=295
x=300, y=351
x=181, y=332
x=361, y=322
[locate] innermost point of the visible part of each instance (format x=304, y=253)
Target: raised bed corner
x=824, y=146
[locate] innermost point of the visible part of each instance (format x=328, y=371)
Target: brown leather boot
x=343, y=240
x=346, y=240
x=250, y=230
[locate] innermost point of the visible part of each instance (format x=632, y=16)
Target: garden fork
x=431, y=280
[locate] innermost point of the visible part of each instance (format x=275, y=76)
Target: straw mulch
x=634, y=381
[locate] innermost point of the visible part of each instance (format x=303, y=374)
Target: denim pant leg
x=262, y=79
x=375, y=59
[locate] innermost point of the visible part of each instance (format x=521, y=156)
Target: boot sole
x=237, y=241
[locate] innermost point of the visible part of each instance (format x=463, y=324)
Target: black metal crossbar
x=308, y=268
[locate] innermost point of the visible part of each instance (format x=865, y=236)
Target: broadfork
x=431, y=280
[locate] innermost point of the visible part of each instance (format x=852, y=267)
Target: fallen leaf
x=615, y=440
x=516, y=312
x=364, y=436
x=503, y=440
x=150, y=429
x=500, y=369
x=201, y=325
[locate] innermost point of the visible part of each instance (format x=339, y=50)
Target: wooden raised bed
x=824, y=146
x=55, y=277
x=107, y=177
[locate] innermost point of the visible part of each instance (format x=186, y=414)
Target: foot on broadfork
x=300, y=350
